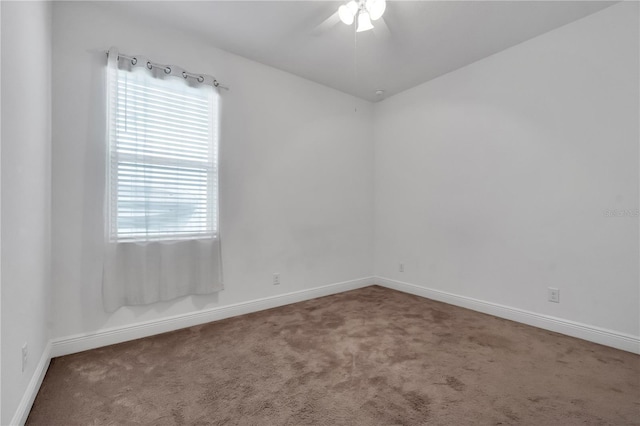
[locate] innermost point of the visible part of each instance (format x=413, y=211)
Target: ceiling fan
x=360, y=12
x=363, y=12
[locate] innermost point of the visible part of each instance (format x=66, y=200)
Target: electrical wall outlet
x=401, y=267
x=276, y=278
x=554, y=295
x=25, y=356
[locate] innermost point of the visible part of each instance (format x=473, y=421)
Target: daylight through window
x=162, y=159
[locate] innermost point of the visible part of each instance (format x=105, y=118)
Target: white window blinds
x=162, y=159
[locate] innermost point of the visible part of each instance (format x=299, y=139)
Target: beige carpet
x=367, y=357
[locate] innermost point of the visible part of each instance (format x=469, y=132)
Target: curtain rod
x=200, y=78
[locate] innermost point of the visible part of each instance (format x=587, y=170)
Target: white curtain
x=162, y=239
x=143, y=273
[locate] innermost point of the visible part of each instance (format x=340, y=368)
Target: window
x=162, y=182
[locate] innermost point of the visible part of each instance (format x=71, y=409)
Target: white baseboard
x=22, y=412
x=105, y=337
x=591, y=333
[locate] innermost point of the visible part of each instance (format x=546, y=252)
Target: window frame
x=116, y=158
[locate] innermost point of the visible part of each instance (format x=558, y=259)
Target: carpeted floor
x=367, y=357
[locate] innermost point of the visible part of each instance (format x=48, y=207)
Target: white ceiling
x=426, y=38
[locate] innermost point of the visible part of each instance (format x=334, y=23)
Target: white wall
x=0, y=215
x=491, y=182
x=26, y=193
x=296, y=172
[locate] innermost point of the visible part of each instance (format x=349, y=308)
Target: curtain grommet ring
x=134, y=61
x=200, y=79
x=167, y=70
x=184, y=74
x=149, y=65
x=215, y=83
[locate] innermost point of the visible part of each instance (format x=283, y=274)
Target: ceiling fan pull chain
x=355, y=60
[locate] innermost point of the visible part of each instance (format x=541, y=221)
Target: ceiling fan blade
x=381, y=30
x=326, y=24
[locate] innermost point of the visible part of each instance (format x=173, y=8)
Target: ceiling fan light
x=353, y=7
x=368, y=4
x=364, y=23
x=345, y=15
x=376, y=8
